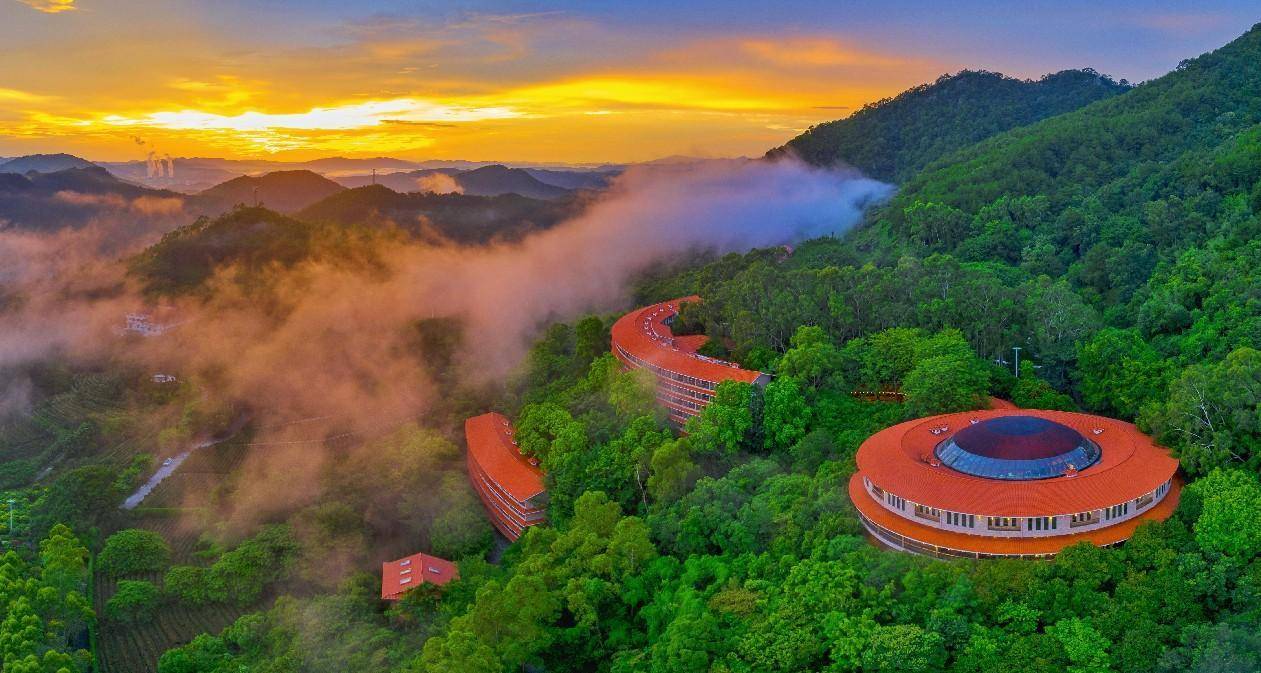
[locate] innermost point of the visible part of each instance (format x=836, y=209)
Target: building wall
x=906, y=509
x=509, y=515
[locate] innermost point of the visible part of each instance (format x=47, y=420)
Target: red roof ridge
x=644, y=334
x=491, y=445
x=409, y=572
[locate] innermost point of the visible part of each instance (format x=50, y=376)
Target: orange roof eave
x=1006, y=545
x=490, y=446
x=628, y=332
x=1132, y=465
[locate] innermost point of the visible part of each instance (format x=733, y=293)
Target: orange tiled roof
x=1006, y=545
x=490, y=446
x=895, y=459
x=636, y=330
x=397, y=577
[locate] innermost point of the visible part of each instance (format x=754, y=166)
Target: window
x=1116, y=511
x=405, y=580
x=930, y=513
x=1003, y=523
x=1042, y=523
x=963, y=520
x=1084, y=519
x=895, y=501
x=1144, y=500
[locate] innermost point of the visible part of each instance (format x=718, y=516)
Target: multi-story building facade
x=1010, y=483
x=509, y=483
x=686, y=380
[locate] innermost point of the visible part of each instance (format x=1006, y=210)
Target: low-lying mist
x=331, y=341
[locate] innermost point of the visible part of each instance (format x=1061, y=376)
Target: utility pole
x=12, y=503
x=1017, y=349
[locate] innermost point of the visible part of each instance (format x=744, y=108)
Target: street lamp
x=1017, y=349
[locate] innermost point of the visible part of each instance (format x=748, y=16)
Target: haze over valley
x=490, y=337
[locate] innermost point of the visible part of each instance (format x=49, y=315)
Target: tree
x=460, y=529
x=945, y=383
x=1058, y=320
x=134, y=551
x=1230, y=517
x=903, y=648
x=134, y=601
x=241, y=575
x=673, y=471
x=1119, y=372
x=937, y=225
x=888, y=356
x=725, y=423
x=1086, y=648
x=82, y=498
x=1215, y=648
x=1213, y=413
x=813, y=358
x=186, y=583
x=1031, y=392
x=785, y=416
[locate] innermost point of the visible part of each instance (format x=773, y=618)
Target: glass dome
x=1017, y=448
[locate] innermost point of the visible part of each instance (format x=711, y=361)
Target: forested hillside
x=734, y=547
x=892, y=139
x=461, y=218
x=1118, y=245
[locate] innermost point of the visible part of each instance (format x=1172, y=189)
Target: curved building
x=1010, y=483
x=685, y=379
x=509, y=483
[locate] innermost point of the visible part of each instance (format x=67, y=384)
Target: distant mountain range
x=43, y=163
x=75, y=196
x=485, y=181
x=284, y=191
x=196, y=174
x=462, y=218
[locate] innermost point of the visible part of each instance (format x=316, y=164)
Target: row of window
x=1116, y=511
x=912, y=545
x=513, y=516
x=1042, y=522
x=683, y=390
x=1002, y=523
x=1007, y=523
x=666, y=373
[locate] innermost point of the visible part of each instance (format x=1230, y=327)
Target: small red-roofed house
x=399, y=577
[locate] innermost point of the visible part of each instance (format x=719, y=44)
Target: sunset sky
x=527, y=81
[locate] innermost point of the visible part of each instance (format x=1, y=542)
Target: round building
x=1010, y=483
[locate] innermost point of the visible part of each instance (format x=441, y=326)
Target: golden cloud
x=49, y=6
x=339, y=117
x=17, y=96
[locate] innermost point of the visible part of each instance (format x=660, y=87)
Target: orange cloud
x=814, y=52
x=50, y=6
